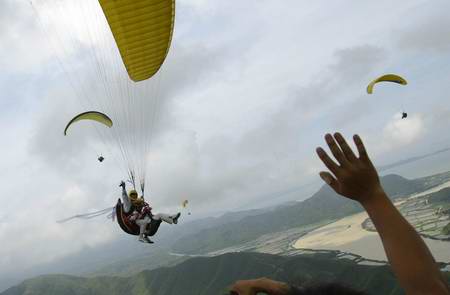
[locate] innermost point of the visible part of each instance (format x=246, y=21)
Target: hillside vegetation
x=213, y=276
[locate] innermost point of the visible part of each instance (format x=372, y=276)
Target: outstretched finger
x=330, y=180
x=335, y=150
x=348, y=153
x=361, y=148
x=329, y=163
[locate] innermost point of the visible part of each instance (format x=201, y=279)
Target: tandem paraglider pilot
x=137, y=212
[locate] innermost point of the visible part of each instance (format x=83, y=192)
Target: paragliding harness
x=130, y=227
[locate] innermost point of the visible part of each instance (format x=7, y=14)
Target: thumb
x=330, y=180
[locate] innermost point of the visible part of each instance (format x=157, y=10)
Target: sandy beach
x=347, y=235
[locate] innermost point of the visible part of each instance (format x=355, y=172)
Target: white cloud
x=401, y=132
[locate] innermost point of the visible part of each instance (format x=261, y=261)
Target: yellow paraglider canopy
x=93, y=116
x=386, y=78
x=143, y=32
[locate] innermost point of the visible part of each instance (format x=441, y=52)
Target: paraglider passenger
x=404, y=115
x=140, y=212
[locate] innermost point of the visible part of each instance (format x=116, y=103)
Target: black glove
x=122, y=184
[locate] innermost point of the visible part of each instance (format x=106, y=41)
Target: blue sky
x=249, y=89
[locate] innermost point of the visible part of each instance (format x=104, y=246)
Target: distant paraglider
x=184, y=205
x=393, y=78
x=91, y=116
x=386, y=78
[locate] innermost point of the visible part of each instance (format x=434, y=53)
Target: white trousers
x=143, y=224
x=164, y=217
x=146, y=220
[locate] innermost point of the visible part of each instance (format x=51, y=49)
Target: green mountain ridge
x=213, y=275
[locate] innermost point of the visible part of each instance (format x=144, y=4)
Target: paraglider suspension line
x=132, y=179
x=142, y=187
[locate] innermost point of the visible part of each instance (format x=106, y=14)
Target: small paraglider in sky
x=386, y=78
x=184, y=205
x=91, y=116
x=393, y=78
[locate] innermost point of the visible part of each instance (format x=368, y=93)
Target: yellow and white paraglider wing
x=92, y=116
x=184, y=203
x=143, y=33
x=386, y=78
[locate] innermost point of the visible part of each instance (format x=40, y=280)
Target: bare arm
x=356, y=178
x=408, y=254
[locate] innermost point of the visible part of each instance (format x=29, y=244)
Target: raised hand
x=352, y=176
x=356, y=178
